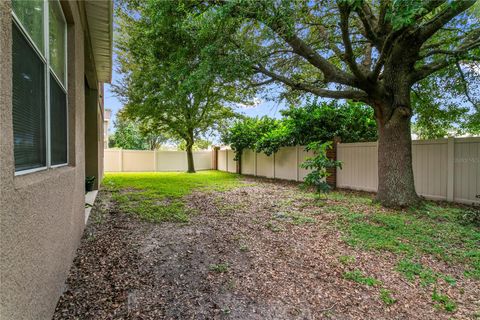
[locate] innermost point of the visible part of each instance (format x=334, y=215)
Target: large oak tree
x=372, y=51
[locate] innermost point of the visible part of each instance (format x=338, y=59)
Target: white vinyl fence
x=117, y=160
x=444, y=169
x=285, y=164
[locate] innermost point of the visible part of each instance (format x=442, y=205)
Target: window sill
x=89, y=201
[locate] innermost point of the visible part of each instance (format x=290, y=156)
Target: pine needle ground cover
x=216, y=245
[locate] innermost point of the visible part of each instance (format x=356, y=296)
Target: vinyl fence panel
x=222, y=160
x=248, y=162
x=231, y=164
x=116, y=160
x=138, y=161
x=265, y=165
x=286, y=163
x=444, y=169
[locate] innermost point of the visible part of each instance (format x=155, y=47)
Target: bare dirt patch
x=261, y=251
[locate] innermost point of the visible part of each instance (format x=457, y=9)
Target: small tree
x=319, y=164
x=163, y=86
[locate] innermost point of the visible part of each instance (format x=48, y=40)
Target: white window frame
x=45, y=58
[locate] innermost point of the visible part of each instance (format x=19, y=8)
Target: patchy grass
x=412, y=270
x=219, y=268
x=358, y=276
x=386, y=297
x=432, y=229
x=274, y=226
x=295, y=218
x=443, y=301
x=346, y=260
x=158, y=196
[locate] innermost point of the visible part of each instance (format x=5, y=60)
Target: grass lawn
x=249, y=248
x=158, y=196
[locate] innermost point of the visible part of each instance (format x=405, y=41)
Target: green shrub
x=319, y=165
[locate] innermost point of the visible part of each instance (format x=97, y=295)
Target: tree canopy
x=132, y=135
x=377, y=52
x=315, y=122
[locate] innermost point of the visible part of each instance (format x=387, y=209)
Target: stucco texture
x=42, y=213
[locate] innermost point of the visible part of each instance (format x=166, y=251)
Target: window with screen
x=39, y=94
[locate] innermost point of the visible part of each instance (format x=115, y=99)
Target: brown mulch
x=273, y=269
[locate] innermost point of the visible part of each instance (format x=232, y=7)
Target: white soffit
x=99, y=15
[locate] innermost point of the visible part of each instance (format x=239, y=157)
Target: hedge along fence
x=444, y=169
x=118, y=160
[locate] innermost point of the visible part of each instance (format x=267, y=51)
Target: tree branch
x=465, y=85
x=349, y=56
x=428, y=69
x=424, y=32
x=346, y=94
x=369, y=21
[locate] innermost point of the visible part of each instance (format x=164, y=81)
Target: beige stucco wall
x=41, y=213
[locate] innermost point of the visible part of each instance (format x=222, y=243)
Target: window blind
x=28, y=102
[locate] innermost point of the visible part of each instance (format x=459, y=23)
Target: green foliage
x=386, y=297
x=245, y=133
x=443, y=301
x=358, y=276
x=199, y=144
x=131, y=135
x=319, y=165
x=239, y=36
x=351, y=122
x=440, y=110
x=157, y=197
x=219, y=268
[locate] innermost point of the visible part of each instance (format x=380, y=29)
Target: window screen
x=58, y=123
x=28, y=100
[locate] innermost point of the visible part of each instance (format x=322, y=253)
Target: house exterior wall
x=41, y=213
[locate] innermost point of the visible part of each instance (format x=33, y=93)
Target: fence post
x=226, y=160
x=254, y=163
x=121, y=159
x=297, y=158
x=273, y=155
x=154, y=160
x=332, y=154
x=215, y=158
x=450, y=167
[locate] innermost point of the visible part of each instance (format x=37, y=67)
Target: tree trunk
x=191, y=165
x=395, y=173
